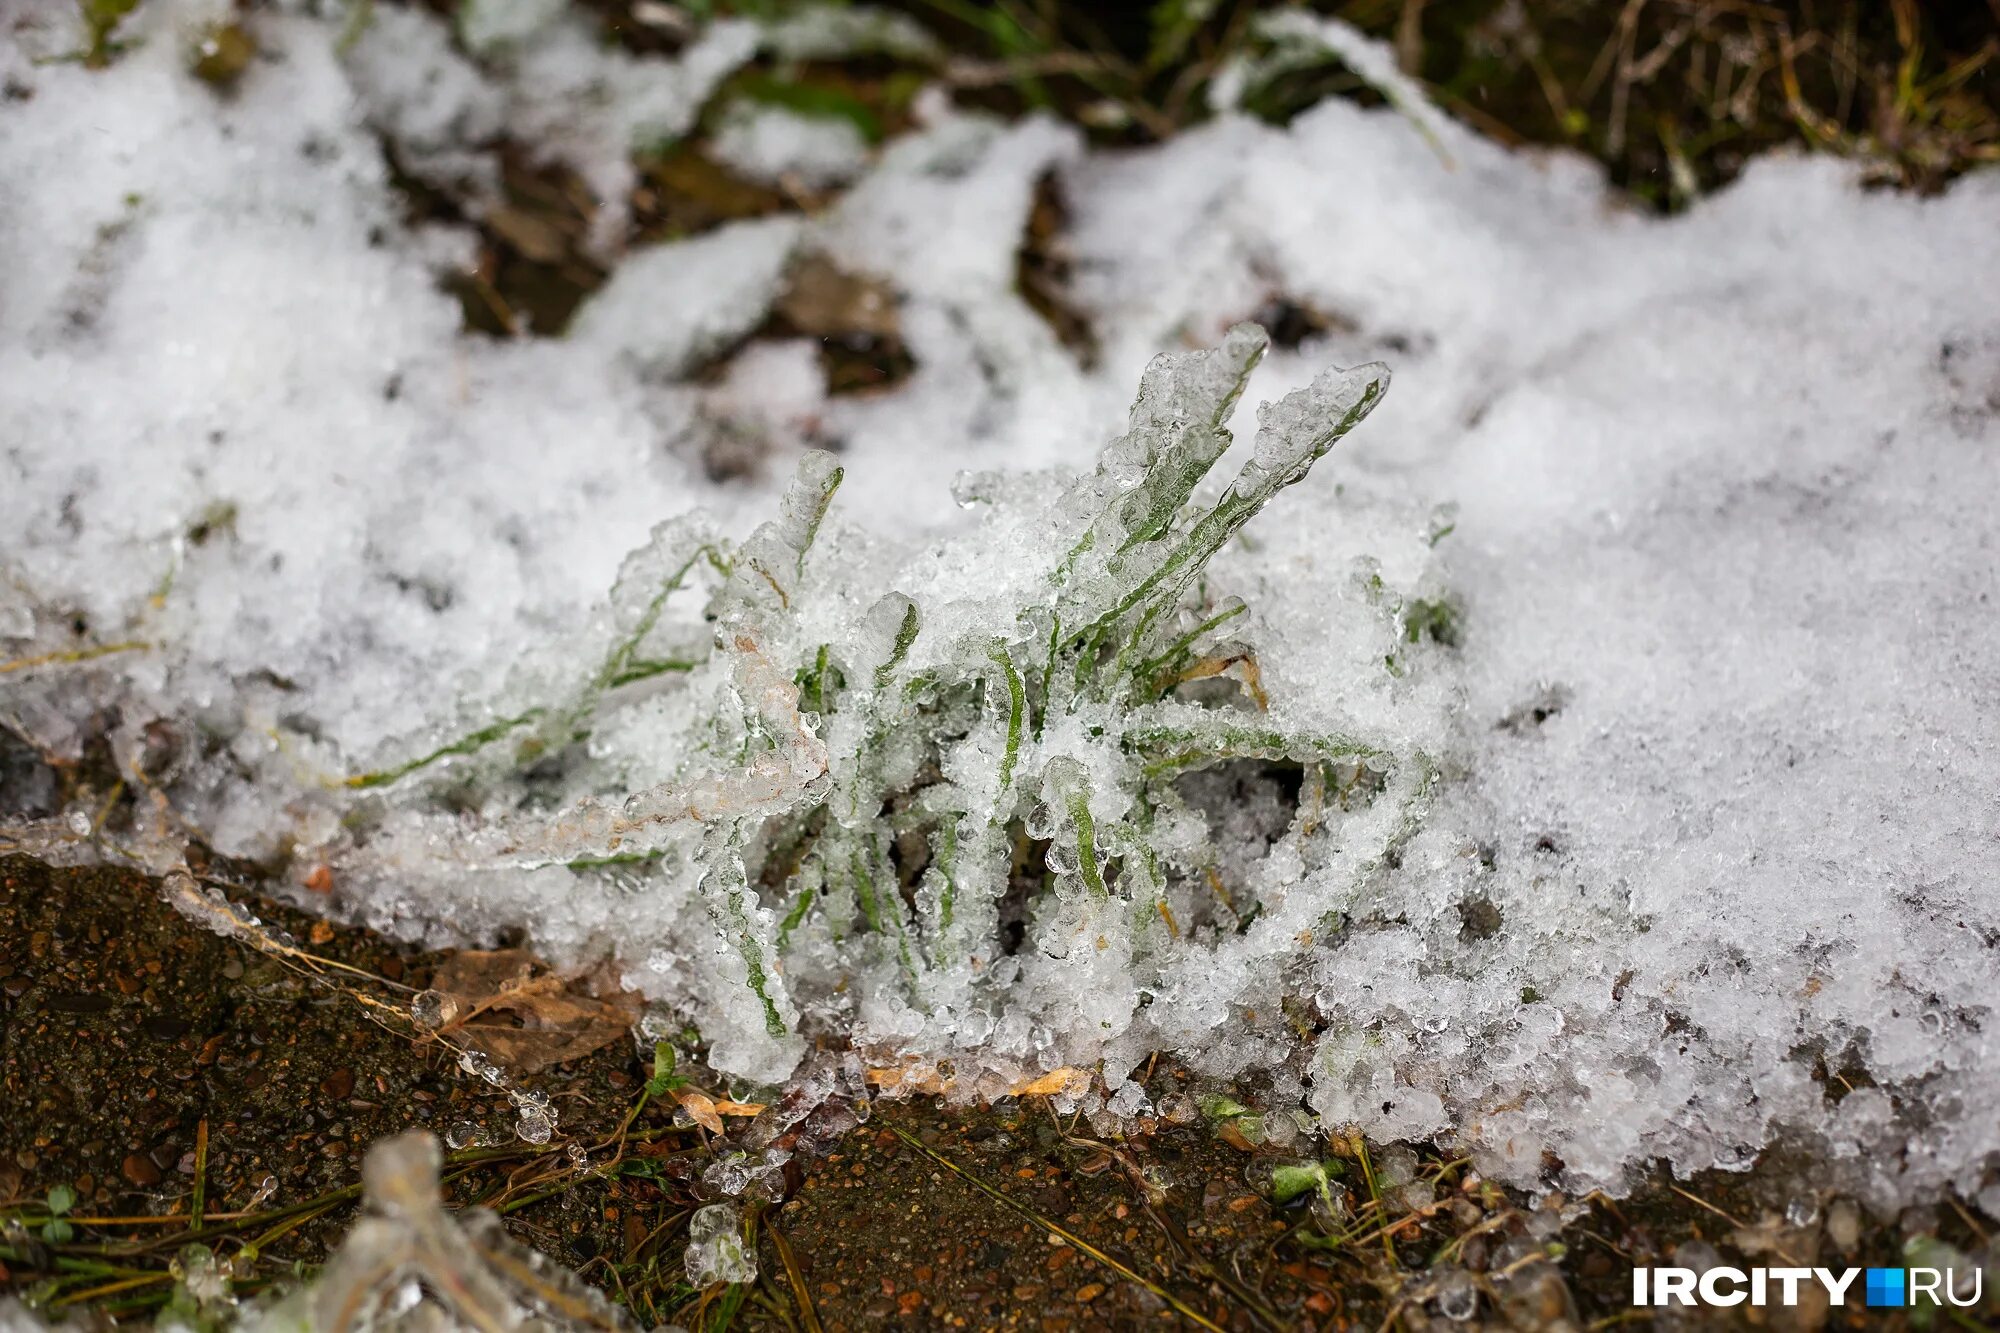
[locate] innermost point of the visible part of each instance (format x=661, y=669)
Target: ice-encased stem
x=1067, y=791
x=1179, y=422
x=1017, y=704
x=639, y=596
x=1292, y=435
x=768, y=782
x=768, y=567
x=1168, y=658
x=743, y=922
x=1170, y=739
x=621, y=664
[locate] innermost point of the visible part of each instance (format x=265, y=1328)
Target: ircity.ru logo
x=1883, y=1288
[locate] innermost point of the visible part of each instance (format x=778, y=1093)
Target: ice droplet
x=535, y=1126
x=1457, y=1297
x=431, y=1010
x=265, y=1189
x=475, y=1063
x=403, y=1299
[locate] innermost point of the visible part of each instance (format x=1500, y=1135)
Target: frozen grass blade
x=726, y=892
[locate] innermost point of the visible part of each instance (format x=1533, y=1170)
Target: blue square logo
x=1885, y=1287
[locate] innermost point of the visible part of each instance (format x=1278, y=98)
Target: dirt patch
x=128, y=1037
x=140, y=1054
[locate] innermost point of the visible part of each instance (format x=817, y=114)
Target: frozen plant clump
x=715, y=1251
x=828, y=1096
x=940, y=801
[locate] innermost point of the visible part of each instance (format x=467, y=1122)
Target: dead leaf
x=528, y=1019
x=924, y=1079
x=1050, y=1083
x=822, y=301
x=535, y=237
x=1042, y=269
x=685, y=191
x=1234, y=1137
x=854, y=319
x=911, y=1079
x=702, y=1107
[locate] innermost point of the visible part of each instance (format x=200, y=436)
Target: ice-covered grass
x=1670, y=555
x=954, y=774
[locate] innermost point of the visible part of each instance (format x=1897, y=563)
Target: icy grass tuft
x=856, y=764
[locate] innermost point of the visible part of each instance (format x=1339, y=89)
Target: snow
x=1703, y=807
x=775, y=146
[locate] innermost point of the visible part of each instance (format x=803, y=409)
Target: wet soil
x=127, y=1029
x=129, y=1037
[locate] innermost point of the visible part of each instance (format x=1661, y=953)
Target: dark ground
x=125, y=1029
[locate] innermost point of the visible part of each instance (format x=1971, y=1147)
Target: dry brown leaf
x=923, y=1078
x=822, y=301
x=686, y=190
x=1050, y=1083
x=535, y=237
x=1231, y=1135
x=913, y=1079
x=745, y=1109
x=525, y=1021
x=702, y=1107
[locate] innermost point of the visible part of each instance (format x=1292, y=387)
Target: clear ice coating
x=536, y=1115
x=431, y=1010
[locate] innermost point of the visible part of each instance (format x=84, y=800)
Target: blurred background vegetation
x=1672, y=95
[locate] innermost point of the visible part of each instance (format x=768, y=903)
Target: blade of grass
x=1374, y=1191
x=467, y=744
x=200, y=1175
x=72, y=655
x=111, y=1288
x=800, y=1293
